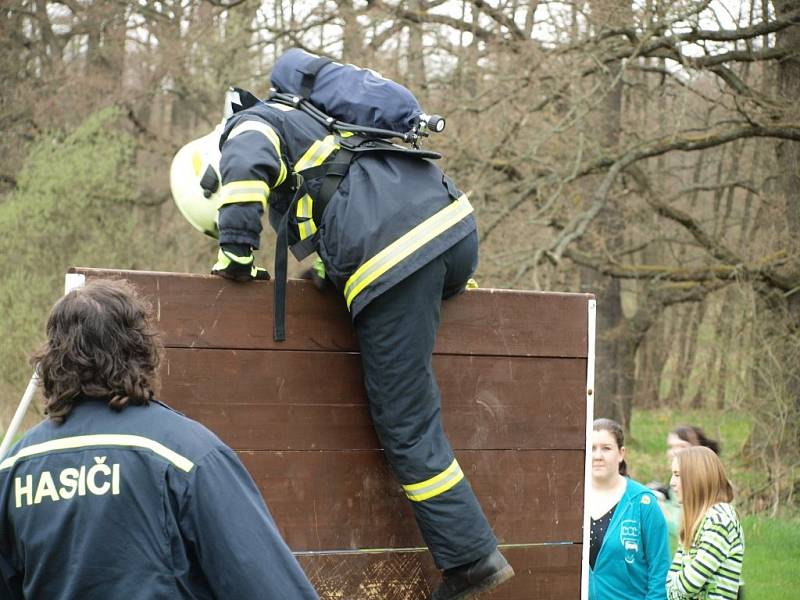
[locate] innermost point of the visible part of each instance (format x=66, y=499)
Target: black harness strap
x=337, y=170
x=332, y=172
x=310, y=75
x=281, y=267
x=242, y=99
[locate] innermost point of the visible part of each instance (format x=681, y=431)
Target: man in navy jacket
x=395, y=236
x=116, y=495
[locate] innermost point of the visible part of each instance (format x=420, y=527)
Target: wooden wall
x=512, y=367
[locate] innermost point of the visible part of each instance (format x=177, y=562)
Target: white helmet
x=195, y=181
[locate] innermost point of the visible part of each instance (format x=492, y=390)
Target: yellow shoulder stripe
x=317, y=153
x=279, y=106
x=270, y=134
x=100, y=440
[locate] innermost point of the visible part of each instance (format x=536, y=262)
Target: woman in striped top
x=708, y=563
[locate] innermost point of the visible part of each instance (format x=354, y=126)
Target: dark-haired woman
x=628, y=552
x=680, y=438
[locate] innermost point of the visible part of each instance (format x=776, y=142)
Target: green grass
x=772, y=555
x=772, y=558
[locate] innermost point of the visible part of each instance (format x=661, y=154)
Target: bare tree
x=646, y=151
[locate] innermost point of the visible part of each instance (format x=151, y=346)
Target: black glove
x=236, y=262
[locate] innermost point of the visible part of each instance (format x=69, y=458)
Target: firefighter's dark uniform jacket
x=142, y=504
x=390, y=215
x=395, y=237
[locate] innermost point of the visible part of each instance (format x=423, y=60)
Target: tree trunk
x=788, y=159
x=651, y=360
x=788, y=152
x=686, y=342
x=613, y=375
x=416, y=52
x=607, y=402
x=352, y=41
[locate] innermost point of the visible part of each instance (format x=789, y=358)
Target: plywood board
x=348, y=499
x=512, y=368
x=273, y=400
x=204, y=311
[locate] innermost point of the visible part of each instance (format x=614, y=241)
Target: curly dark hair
x=101, y=344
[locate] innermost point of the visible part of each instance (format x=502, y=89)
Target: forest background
x=646, y=151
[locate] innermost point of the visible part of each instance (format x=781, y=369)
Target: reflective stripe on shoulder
x=280, y=107
x=236, y=192
x=106, y=439
x=436, y=485
x=405, y=246
x=270, y=134
x=316, y=153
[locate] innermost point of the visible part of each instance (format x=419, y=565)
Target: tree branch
x=577, y=227
x=501, y=18
x=759, y=271
x=743, y=33
x=421, y=16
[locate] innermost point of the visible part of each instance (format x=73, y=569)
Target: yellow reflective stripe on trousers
x=405, y=246
x=435, y=485
x=270, y=134
x=316, y=153
x=305, y=210
x=100, y=440
x=253, y=190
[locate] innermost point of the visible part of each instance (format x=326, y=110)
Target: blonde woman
x=708, y=563
x=680, y=438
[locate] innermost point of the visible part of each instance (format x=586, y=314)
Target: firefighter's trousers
x=396, y=333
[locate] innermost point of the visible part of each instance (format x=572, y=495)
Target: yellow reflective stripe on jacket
x=305, y=211
x=89, y=441
x=270, y=134
x=280, y=106
x=253, y=190
x=317, y=153
x=405, y=246
x=436, y=485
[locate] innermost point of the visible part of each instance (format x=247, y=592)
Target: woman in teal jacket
x=628, y=551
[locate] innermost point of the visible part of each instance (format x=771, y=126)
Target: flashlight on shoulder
x=435, y=123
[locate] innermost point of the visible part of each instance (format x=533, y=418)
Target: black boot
x=467, y=581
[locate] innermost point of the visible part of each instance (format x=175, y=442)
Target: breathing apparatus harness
x=361, y=139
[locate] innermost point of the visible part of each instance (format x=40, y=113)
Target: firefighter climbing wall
x=512, y=367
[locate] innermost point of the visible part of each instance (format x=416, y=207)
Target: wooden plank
x=541, y=573
x=515, y=323
x=272, y=400
x=349, y=500
x=512, y=369
x=204, y=311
